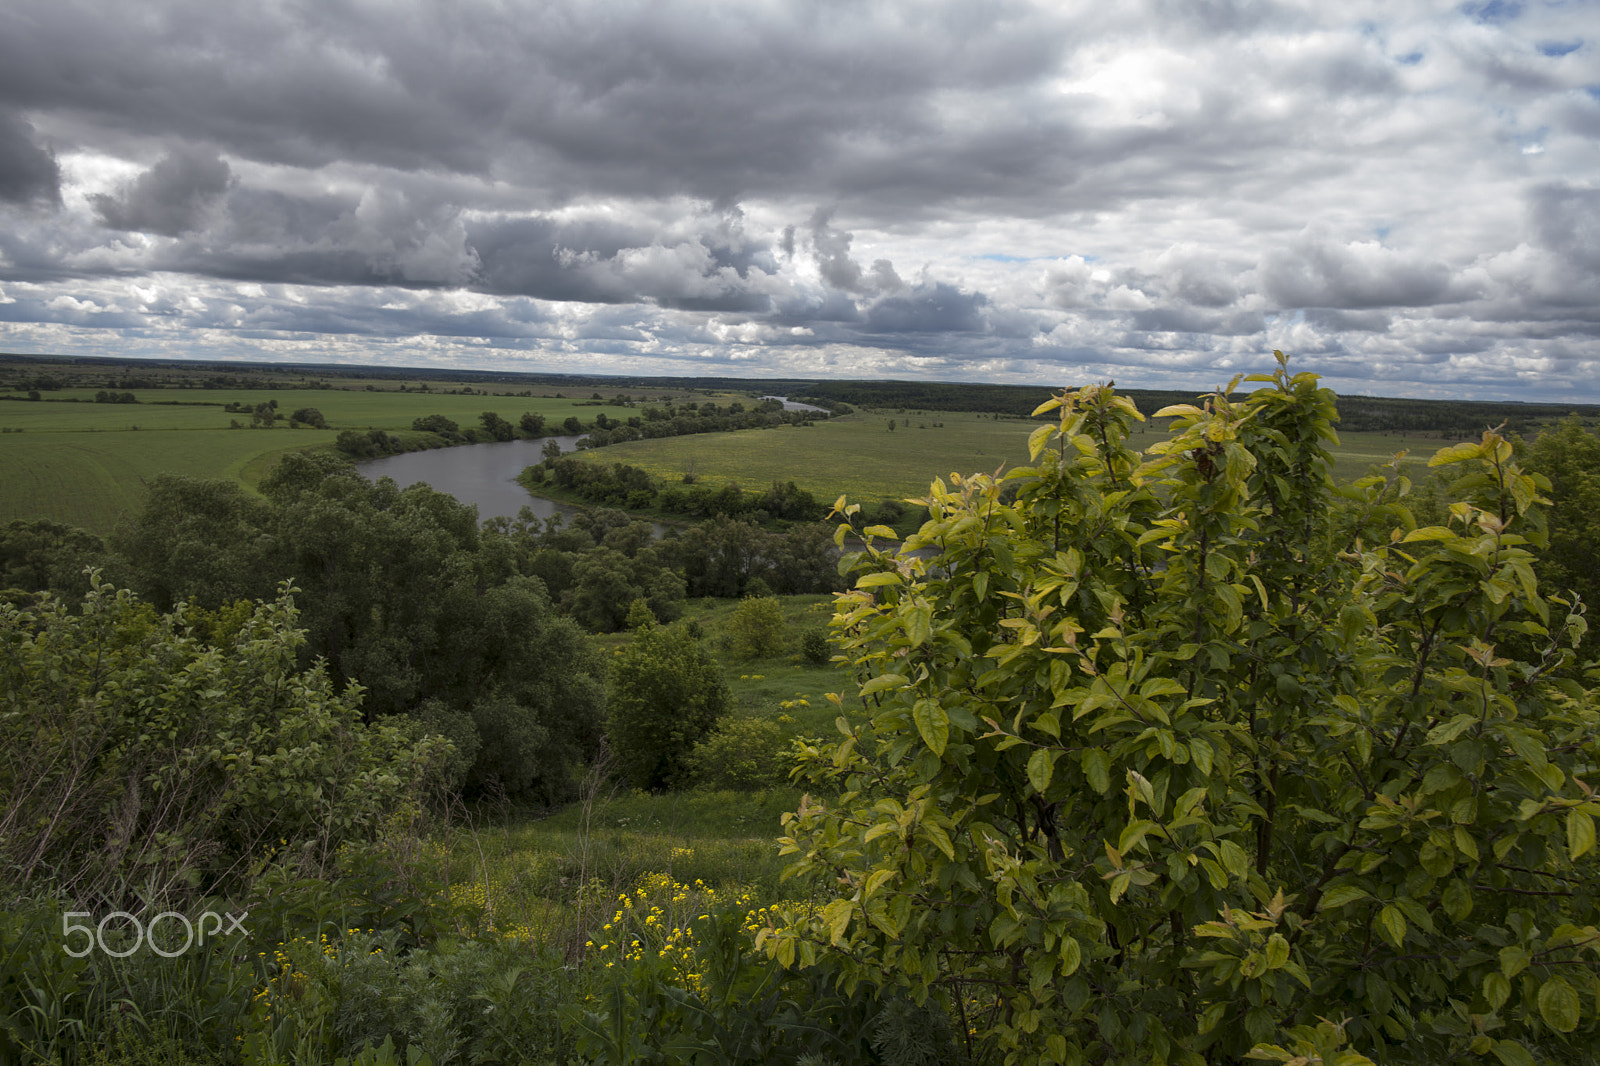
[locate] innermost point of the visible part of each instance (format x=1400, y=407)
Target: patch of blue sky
x=1556, y=49
x=1493, y=11
x=1592, y=90
x=1410, y=59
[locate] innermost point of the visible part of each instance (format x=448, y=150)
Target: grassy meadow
x=858, y=455
x=87, y=463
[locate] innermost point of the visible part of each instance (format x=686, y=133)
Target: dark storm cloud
x=28, y=173
x=1566, y=220
x=663, y=98
x=935, y=308
x=171, y=196
x=1320, y=271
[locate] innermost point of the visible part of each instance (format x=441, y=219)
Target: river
x=480, y=474
x=485, y=474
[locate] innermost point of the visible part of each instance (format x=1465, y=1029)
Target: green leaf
x=1514, y=959
x=919, y=626
x=1511, y=1053
x=882, y=682
x=836, y=916
x=940, y=838
x=933, y=723
x=1558, y=1005
x=1445, y=732
x=1429, y=533
x=1340, y=895
x=1071, y=956
x=1392, y=923
x=1049, y=405
x=1037, y=440
x=1496, y=989
x=1234, y=860
x=1580, y=834
x=881, y=577
x=1041, y=768
x=1097, y=768
x=1456, y=453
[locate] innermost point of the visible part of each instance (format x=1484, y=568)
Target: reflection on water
x=479, y=474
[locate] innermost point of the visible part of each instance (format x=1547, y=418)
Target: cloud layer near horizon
x=1401, y=195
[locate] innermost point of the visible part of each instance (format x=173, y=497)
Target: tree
x=141, y=761
x=37, y=555
x=402, y=592
x=497, y=427
x=196, y=540
x=309, y=416
x=531, y=425
x=666, y=693
x=439, y=424
x=742, y=754
x=1167, y=758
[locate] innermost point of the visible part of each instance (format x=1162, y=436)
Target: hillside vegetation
x=1164, y=743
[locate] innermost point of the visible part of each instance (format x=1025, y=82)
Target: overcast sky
x=1405, y=197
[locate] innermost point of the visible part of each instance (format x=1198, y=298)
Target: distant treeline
x=1356, y=413
x=651, y=422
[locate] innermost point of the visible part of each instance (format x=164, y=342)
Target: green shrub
x=744, y=754
x=139, y=762
x=666, y=694
x=1193, y=756
x=814, y=646
x=757, y=629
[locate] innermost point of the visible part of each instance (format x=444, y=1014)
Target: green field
x=859, y=456
x=87, y=463
x=856, y=455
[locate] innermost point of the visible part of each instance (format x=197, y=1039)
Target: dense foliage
x=403, y=593
x=147, y=755
x=1171, y=756
x=621, y=485
x=666, y=693
x=1570, y=457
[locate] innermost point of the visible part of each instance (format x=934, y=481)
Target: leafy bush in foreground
x=138, y=760
x=1175, y=759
